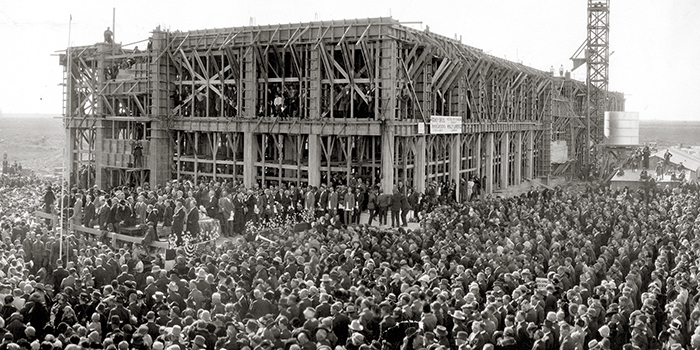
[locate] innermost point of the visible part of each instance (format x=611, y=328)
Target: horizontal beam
x=333, y=127
x=101, y=233
x=271, y=125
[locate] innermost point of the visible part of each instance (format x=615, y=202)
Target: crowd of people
x=580, y=267
x=178, y=206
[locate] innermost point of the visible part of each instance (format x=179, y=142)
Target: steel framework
x=598, y=48
x=314, y=103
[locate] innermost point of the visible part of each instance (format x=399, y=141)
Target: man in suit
x=152, y=215
x=522, y=336
x=285, y=202
x=237, y=226
x=192, y=218
x=77, y=217
x=350, y=204
x=322, y=202
x=384, y=202
x=396, y=200
x=295, y=195
x=179, y=219
x=89, y=211
x=405, y=207
x=168, y=212
x=211, y=204
x=262, y=206
x=332, y=202
x=140, y=209
x=226, y=208
x=104, y=213
x=372, y=205
x=250, y=203
x=310, y=201
x=160, y=206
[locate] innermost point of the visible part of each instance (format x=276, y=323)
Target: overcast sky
x=656, y=44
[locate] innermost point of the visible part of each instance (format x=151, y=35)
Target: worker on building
x=138, y=155
x=279, y=101
x=108, y=36
x=667, y=160
x=645, y=157
x=200, y=103
x=659, y=171
x=292, y=102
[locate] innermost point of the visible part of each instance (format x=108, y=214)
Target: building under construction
x=316, y=102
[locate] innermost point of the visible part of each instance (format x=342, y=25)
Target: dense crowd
x=582, y=267
x=177, y=207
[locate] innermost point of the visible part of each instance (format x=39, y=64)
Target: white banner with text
x=445, y=125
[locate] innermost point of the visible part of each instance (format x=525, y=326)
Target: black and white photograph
x=363, y=175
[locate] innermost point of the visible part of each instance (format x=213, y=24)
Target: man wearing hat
x=119, y=310
x=200, y=330
x=199, y=343
x=443, y=338
x=593, y=345
x=548, y=336
x=640, y=337
x=461, y=338
x=341, y=322
x=174, y=295
x=460, y=322
x=158, y=301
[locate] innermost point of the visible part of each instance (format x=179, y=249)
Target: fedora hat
x=355, y=326
x=459, y=315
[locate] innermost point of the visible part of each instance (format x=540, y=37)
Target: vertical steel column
x=518, y=157
x=505, y=157
x=419, y=165
x=529, y=156
x=314, y=172
x=249, y=155
x=488, y=186
x=455, y=161
x=160, y=151
x=388, y=81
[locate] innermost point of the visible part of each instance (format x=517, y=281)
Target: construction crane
x=596, y=55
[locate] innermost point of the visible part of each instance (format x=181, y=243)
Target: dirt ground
x=36, y=142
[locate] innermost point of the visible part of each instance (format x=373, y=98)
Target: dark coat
x=104, y=216
x=193, y=221
x=89, y=214
x=396, y=200
x=179, y=219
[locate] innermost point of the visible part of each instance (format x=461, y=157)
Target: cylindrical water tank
x=621, y=128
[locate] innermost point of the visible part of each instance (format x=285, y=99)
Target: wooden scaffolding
x=318, y=102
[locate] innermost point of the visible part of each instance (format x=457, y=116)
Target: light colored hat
x=355, y=326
